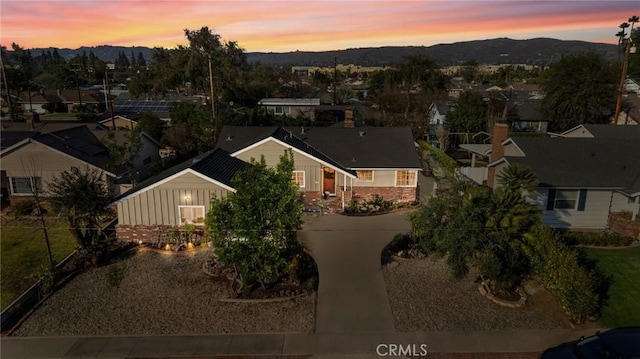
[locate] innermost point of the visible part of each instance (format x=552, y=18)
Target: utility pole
x=213, y=103
x=335, y=78
x=108, y=98
x=6, y=84
x=625, y=65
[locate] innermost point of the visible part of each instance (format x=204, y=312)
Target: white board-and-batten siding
x=159, y=205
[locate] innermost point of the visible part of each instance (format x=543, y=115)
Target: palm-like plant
x=517, y=178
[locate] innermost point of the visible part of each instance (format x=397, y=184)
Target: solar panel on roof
x=143, y=106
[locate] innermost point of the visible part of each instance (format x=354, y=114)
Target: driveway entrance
x=352, y=295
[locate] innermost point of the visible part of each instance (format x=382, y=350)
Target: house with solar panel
x=332, y=166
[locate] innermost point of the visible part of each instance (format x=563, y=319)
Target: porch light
x=190, y=245
x=167, y=247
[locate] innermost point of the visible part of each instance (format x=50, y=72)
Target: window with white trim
x=364, y=175
x=406, y=178
x=297, y=177
x=282, y=110
x=191, y=215
x=566, y=199
x=25, y=185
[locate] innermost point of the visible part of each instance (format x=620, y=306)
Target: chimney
x=500, y=133
x=302, y=130
x=348, y=119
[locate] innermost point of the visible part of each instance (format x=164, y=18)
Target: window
x=24, y=185
x=364, y=175
x=566, y=199
x=282, y=110
x=191, y=215
x=405, y=178
x=297, y=177
x=631, y=200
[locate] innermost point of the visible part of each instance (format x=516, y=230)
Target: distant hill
x=540, y=51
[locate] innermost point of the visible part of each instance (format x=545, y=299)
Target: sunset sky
x=289, y=25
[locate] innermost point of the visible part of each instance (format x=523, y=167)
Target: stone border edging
x=483, y=288
x=266, y=300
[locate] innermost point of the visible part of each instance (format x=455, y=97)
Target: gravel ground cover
x=423, y=297
x=155, y=293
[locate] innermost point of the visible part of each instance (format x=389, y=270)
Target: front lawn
x=624, y=294
x=24, y=253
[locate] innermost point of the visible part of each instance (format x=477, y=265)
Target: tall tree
x=580, y=88
x=254, y=228
x=469, y=113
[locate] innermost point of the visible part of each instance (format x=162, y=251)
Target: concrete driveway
x=352, y=295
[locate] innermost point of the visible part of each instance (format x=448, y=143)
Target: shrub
x=23, y=208
x=561, y=271
x=592, y=239
x=376, y=204
x=439, y=156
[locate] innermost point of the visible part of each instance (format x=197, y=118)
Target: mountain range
x=538, y=51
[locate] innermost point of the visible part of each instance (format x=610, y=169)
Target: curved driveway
x=352, y=295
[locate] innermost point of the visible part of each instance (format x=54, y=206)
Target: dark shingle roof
x=10, y=138
x=80, y=143
x=215, y=164
x=582, y=162
x=371, y=147
x=234, y=138
x=614, y=131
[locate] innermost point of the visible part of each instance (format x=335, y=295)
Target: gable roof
x=371, y=147
x=289, y=102
x=11, y=138
x=77, y=142
x=216, y=166
x=582, y=162
x=237, y=139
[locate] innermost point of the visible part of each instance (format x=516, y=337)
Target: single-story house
x=584, y=176
x=291, y=107
x=334, y=163
x=362, y=162
x=177, y=196
x=36, y=159
x=50, y=148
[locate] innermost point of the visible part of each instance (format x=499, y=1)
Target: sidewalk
x=363, y=344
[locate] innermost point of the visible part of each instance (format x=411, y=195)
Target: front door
x=329, y=180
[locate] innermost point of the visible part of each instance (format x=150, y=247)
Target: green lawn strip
x=23, y=253
x=624, y=292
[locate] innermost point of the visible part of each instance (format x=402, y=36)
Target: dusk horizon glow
x=283, y=26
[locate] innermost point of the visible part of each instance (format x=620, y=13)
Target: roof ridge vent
x=362, y=133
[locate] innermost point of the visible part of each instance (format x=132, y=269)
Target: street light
x=630, y=48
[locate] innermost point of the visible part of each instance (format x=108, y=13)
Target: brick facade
x=394, y=194
x=157, y=233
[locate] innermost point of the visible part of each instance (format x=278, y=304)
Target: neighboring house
x=585, y=175
x=177, y=196
x=631, y=86
x=530, y=119
x=81, y=134
x=291, y=107
x=72, y=98
x=36, y=159
x=438, y=119
x=120, y=122
x=330, y=162
x=41, y=103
